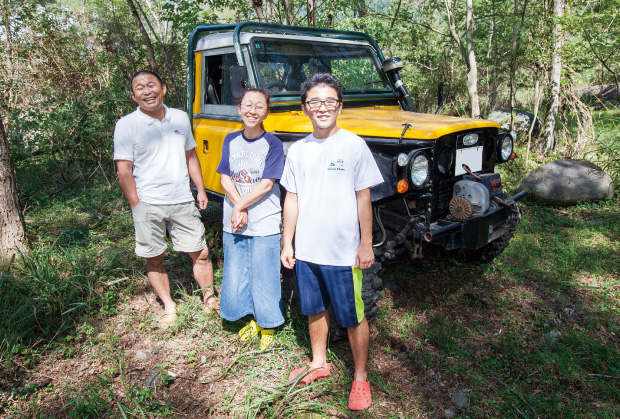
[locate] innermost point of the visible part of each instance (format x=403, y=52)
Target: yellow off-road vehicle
x=440, y=187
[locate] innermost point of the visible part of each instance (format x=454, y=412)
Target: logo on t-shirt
x=177, y=132
x=336, y=165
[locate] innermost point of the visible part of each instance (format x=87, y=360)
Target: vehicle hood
x=383, y=123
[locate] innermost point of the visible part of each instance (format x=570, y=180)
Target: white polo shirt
x=325, y=174
x=157, y=150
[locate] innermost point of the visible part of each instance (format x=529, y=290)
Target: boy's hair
x=321, y=78
x=144, y=72
x=263, y=92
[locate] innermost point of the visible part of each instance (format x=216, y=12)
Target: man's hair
x=320, y=78
x=144, y=73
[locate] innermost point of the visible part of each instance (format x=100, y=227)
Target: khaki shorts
x=182, y=221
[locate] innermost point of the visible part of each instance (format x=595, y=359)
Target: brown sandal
x=211, y=304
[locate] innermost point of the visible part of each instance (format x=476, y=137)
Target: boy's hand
x=287, y=256
x=365, y=257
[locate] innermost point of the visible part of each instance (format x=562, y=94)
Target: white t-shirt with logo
x=157, y=150
x=325, y=174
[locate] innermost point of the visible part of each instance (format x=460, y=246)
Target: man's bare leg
x=159, y=280
x=358, y=339
x=203, y=272
x=318, y=325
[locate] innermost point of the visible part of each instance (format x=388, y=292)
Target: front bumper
x=471, y=234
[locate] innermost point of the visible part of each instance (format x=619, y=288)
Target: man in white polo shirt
x=155, y=156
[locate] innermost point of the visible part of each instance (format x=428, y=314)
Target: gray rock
x=449, y=413
x=140, y=355
x=568, y=182
x=553, y=337
x=153, y=379
x=460, y=399
x=523, y=121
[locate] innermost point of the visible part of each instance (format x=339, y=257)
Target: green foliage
x=606, y=150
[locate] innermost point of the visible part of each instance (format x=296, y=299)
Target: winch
x=472, y=195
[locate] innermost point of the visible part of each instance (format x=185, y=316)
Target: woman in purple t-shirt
x=251, y=165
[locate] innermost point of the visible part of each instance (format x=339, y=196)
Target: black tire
x=489, y=251
x=371, y=294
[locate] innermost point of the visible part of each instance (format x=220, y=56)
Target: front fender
x=388, y=187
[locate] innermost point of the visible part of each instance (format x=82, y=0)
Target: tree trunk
x=288, y=11
x=258, y=8
x=12, y=227
x=472, y=74
x=10, y=56
x=467, y=51
x=145, y=36
x=311, y=13
x=548, y=139
x=536, y=104
x=516, y=40
x=330, y=15
x=495, y=54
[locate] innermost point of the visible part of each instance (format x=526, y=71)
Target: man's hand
x=365, y=257
x=127, y=182
x=238, y=219
x=287, y=256
x=202, y=199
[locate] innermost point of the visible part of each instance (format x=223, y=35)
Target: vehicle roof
x=225, y=39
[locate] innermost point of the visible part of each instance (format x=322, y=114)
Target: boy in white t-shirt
x=328, y=176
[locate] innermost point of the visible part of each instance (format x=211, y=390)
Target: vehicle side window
x=217, y=79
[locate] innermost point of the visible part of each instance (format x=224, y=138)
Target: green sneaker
x=266, y=338
x=249, y=331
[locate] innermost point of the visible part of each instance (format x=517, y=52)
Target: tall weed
x=47, y=295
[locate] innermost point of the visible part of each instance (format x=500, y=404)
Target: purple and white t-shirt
x=247, y=162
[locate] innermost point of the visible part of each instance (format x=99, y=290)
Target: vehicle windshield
x=283, y=64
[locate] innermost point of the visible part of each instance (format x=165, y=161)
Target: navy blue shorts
x=340, y=286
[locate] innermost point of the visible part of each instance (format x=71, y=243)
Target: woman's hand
x=238, y=219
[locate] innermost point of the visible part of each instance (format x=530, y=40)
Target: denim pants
x=251, y=281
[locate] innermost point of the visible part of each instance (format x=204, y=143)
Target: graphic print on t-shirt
x=246, y=170
x=337, y=164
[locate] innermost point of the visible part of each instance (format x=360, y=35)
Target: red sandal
x=308, y=374
x=360, y=397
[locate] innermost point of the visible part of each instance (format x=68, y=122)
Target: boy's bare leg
x=318, y=325
x=358, y=339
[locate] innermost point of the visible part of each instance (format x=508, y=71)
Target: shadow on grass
x=533, y=333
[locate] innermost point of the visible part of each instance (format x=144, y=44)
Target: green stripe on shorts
x=357, y=286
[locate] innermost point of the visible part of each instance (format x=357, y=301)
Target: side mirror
x=238, y=80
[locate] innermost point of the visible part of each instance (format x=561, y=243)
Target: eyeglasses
x=315, y=104
x=258, y=107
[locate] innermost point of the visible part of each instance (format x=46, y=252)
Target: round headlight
x=402, y=159
x=505, y=148
x=419, y=170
